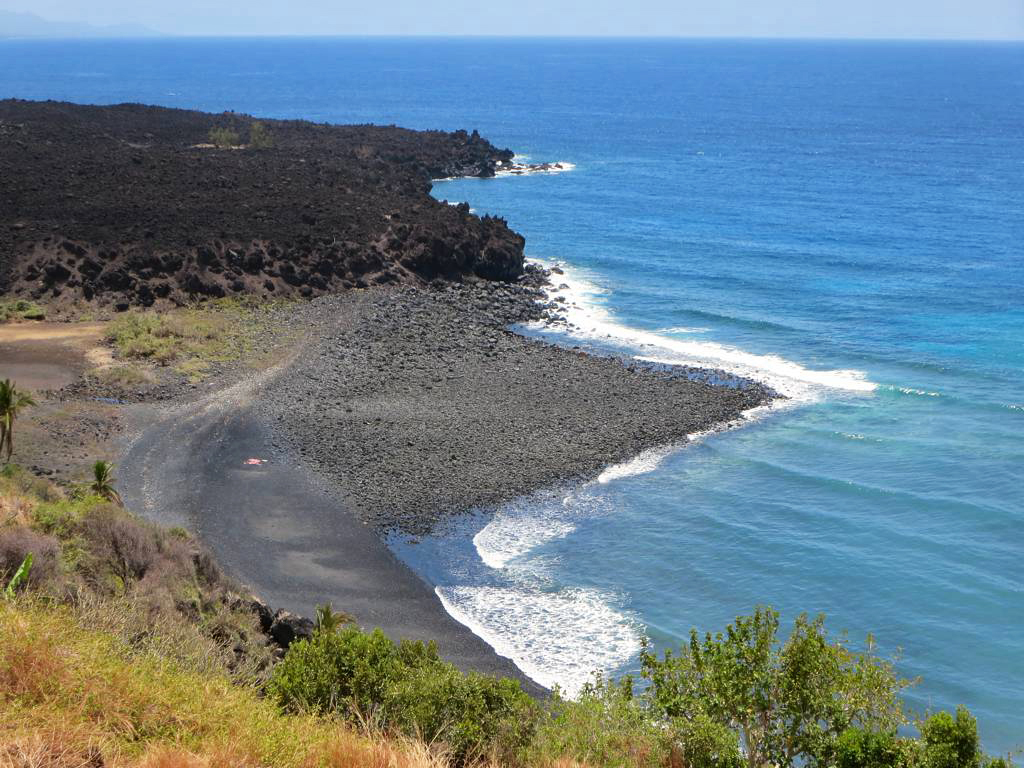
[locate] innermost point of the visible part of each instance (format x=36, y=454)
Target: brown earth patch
x=49, y=356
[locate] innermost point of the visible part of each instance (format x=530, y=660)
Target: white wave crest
x=509, y=536
x=683, y=329
x=582, y=304
x=555, y=638
x=647, y=461
x=517, y=168
x=919, y=392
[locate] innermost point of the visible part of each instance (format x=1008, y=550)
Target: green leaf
x=20, y=577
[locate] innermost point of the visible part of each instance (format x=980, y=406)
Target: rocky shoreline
x=419, y=403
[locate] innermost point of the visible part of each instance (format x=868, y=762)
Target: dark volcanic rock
x=421, y=403
x=101, y=202
x=286, y=628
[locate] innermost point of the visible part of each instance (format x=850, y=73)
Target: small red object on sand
x=256, y=461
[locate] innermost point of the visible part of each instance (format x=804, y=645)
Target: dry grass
x=193, y=339
x=50, y=749
x=74, y=697
x=124, y=376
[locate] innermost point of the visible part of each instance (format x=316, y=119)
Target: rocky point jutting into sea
x=132, y=205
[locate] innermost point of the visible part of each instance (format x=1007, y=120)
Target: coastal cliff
x=138, y=205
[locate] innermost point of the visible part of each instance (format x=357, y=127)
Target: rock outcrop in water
x=131, y=205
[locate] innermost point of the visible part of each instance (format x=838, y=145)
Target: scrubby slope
x=71, y=696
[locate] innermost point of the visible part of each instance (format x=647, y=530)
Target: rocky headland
x=133, y=205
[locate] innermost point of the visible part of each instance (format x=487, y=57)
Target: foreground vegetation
x=144, y=583
x=122, y=644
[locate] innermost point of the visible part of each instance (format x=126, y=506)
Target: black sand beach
x=401, y=407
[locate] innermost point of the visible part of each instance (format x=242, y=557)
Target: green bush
x=260, y=137
x=473, y=715
x=347, y=671
x=951, y=742
x=224, y=137
x=21, y=308
x=406, y=688
x=705, y=743
x=143, y=335
x=859, y=748
x=604, y=726
x=789, y=701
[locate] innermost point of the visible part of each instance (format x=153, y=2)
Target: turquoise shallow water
x=844, y=219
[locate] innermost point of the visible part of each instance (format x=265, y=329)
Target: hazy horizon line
x=159, y=35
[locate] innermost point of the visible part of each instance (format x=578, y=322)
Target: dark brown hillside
x=131, y=205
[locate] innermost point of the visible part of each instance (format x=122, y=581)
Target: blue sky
x=984, y=19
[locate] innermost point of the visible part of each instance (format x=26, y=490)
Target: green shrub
x=705, y=743
x=190, y=339
x=20, y=308
x=951, y=742
x=59, y=518
x=143, y=335
x=789, y=701
x=859, y=748
x=224, y=137
x=474, y=716
x=406, y=688
x=260, y=136
x=347, y=671
x=604, y=726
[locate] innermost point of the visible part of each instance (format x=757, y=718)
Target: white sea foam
x=556, y=638
x=524, y=169
x=583, y=306
x=509, y=536
x=683, y=329
x=518, y=167
x=647, y=461
x=919, y=392
x=518, y=528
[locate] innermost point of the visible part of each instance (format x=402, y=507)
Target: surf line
x=582, y=307
x=520, y=527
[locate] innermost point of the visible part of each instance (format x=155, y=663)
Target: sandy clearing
x=18, y=332
x=42, y=356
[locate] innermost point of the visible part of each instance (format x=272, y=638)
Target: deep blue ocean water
x=844, y=220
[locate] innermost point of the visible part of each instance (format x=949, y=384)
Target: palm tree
x=328, y=620
x=103, y=482
x=11, y=401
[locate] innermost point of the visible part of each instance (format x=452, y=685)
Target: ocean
x=844, y=220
